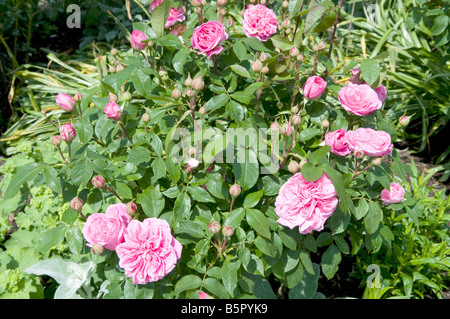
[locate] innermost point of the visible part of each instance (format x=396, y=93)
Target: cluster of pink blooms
x=147, y=250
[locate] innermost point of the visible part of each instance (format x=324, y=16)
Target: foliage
x=143, y=159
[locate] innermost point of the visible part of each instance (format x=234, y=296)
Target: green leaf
x=214, y=147
x=142, y=82
x=265, y=246
x=361, y=209
x=281, y=43
x=52, y=180
x=440, y=24
x=191, y=228
x=234, y=218
x=311, y=172
x=235, y=110
x=240, y=70
x=75, y=240
x=373, y=217
x=330, y=261
x=24, y=174
x=313, y=17
x=182, y=206
x=179, y=60
x=152, y=201
x=370, y=71
x=259, y=222
x=306, y=261
x=345, y=202
x=216, y=102
x=81, y=172
x=326, y=22
x=159, y=169
x=51, y=238
x=200, y=194
x=307, y=288
x=174, y=170
x=252, y=199
x=315, y=157
x=230, y=275
x=123, y=190
x=215, y=288
x=187, y=282
x=132, y=291
x=294, y=6
x=159, y=17
x=246, y=168
x=84, y=129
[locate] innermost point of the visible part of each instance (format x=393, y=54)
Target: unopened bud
x=300, y=58
x=286, y=23
x=265, y=70
x=126, y=96
x=358, y=153
x=315, y=48
x=404, y=120
x=325, y=123
x=263, y=2
x=257, y=66
x=112, y=97
x=131, y=208
x=235, y=190
x=227, y=231
x=202, y=110
x=294, y=109
x=198, y=84
x=221, y=2
x=113, y=51
x=146, y=117
x=189, y=92
x=322, y=45
x=78, y=97
x=188, y=81
x=196, y=3
x=97, y=249
x=285, y=4
x=119, y=67
x=192, y=151
x=112, y=69
x=214, y=227
x=296, y=119
x=286, y=129
x=263, y=57
x=377, y=161
x=275, y=127
x=293, y=167
x=76, y=204
x=56, y=140
x=294, y=52
x=176, y=93
x=98, y=181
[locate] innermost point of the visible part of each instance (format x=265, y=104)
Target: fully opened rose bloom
x=113, y=111
x=174, y=16
x=395, y=194
x=67, y=132
x=136, y=38
x=149, y=251
x=65, y=101
x=259, y=22
x=338, y=142
x=381, y=92
x=306, y=204
x=314, y=87
x=207, y=37
x=359, y=99
x=371, y=142
x=107, y=229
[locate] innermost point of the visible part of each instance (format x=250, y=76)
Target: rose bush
x=265, y=168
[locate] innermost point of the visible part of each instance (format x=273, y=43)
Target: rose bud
x=294, y=52
x=113, y=111
x=325, y=123
x=188, y=81
x=300, y=58
x=126, y=96
x=294, y=109
x=192, y=151
x=286, y=23
x=136, y=39
x=293, y=167
x=286, y=129
x=67, y=132
x=265, y=70
x=113, y=51
x=296, y=119
x=275, y=127
x=235, y=190
x=315, y=47
x=202, y=110
x=263, y=57
x=98, y=181
x=314, y=87
x=322, y=45
x=214, y=227
x=192, y=164
x=189, y=92
x=112, y=69
x=56, y=140
x=377, y=161
x=97, y=249
x=146, y=117
x=404, y=120
x=112, y=97
x=196, y=3
x=198, y=83
x=65, y=102
x=76, y=204
x=227, y=231
x=131, y=208
x=78, y=97
x=257, y=66
x=285, y=4
x=358, y=153
x=176, y=93
x=119, y=67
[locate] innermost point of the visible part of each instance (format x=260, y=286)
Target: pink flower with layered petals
x=207, y=37
x=306, y=204
x=259, y=22
x=359, y=99
x=113, y=111
x=381, y=92
x=395, y=194
x=174, y=16
x=136, y=38
x=107, y=229
x=369, y=141
x=314, y=87
x=338, y=142
x=149, y=251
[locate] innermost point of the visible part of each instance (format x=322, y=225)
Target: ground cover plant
x=227, y=151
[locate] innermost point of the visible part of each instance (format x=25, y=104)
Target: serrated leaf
x=330, y=261
x=370, y=71
x=24, y=174
x=159, y=17
x=258, y=221
x=186, y=283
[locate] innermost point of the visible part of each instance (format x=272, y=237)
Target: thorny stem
x=69, y=151
x=231, y=205
x=124, y=130
x=62, y=155
x=113, y=192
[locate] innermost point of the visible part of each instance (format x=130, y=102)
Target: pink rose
x=370, y=142
x=206, y=38
x=113, y=111
x=355, y=76
x=67, y=132
x=174, y=16
x=107, y=229
x=359, y=99
x=260, y=22
x=314, y=87
x=204, y=295
x=149, y=251
x=396, y=194
x=154, y=4
x=306, y=204
x=381, y=92
x=136, y=38
x=65, y=101
x=338, y=142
